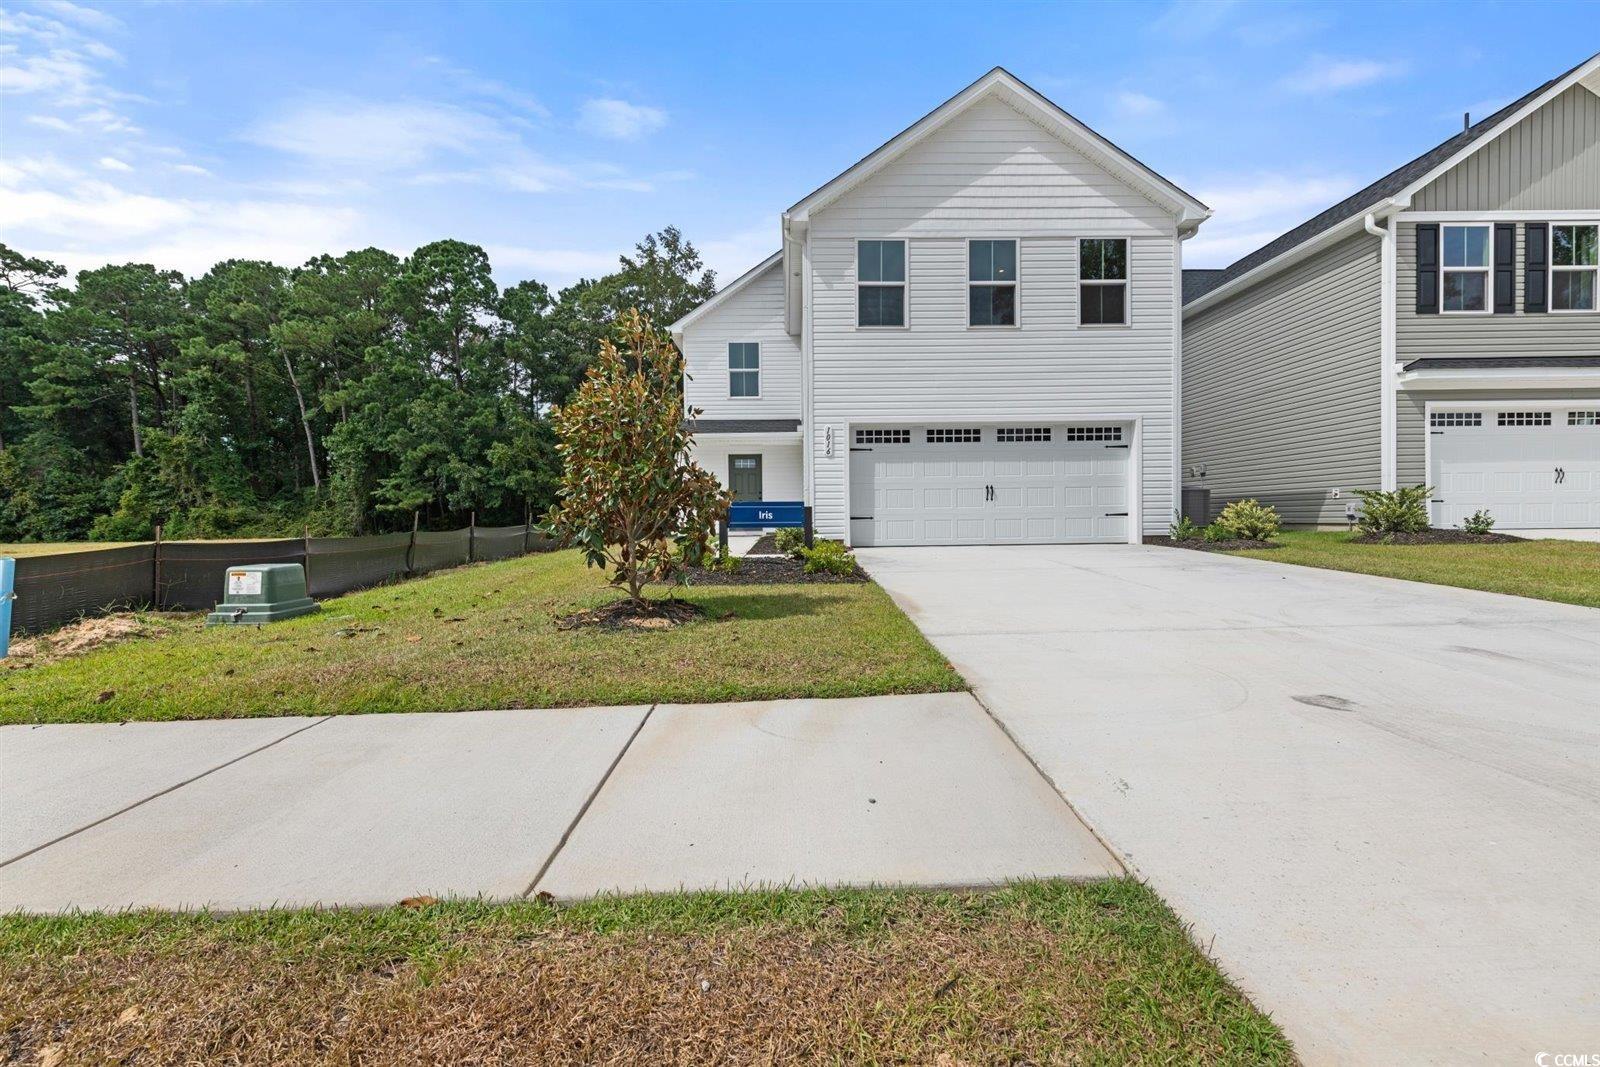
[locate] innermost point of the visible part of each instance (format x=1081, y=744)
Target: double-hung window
x=744, y=368
x=1103, y=281
x=880, y=283
x=1574, y=265
x=991, y=283
x=1464, y=267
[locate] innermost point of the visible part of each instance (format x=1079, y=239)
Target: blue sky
x=556, y=136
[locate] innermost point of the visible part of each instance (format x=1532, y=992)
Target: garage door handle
x=1561, y=475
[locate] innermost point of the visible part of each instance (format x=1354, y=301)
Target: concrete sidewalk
x=358, y=810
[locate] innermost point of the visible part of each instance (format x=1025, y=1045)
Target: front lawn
x=483, y=637
x=1045, y=972
x=1565, y=571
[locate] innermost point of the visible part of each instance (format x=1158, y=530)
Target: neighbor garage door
x=1529, y=468
x=951, y=484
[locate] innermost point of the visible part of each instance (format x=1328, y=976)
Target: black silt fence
x=188, y=575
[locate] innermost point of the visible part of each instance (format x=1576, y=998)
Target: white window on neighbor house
x=1574, y=265
x=1465, y=256
x=744, y=368
x=1103, y=281
x=880, y=283
x=992, y=283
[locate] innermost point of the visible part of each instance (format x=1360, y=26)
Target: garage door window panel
x=1466, y=256
x=992, y=282
x=1574, y=267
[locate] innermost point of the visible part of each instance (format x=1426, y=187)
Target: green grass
x=1036, y=972
x=1564, y=571
x=483, y=637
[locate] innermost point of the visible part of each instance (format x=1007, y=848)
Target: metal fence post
x=411, y=547
x=155, y=572
x=807, y=527
x=472, y=535
x=527, y=529
x=8, y=585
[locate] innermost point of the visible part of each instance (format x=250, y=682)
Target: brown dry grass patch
x=1048, y=972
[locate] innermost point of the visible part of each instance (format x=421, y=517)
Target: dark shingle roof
x=1199, y=280
x=1378, y=191
x=1500, y=362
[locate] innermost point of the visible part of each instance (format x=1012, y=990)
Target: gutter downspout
x=1387, y=383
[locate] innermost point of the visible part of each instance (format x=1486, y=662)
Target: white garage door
x=978, y=485
x=1530, y=469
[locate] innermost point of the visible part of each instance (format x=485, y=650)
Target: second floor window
x=880, y=283
x=991, y=283
x=1103, y=281
x=1464, y=268
x=1574, y=266
x=744, y=368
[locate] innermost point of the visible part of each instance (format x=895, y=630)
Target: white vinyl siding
x=780, y=462
x=753, y=315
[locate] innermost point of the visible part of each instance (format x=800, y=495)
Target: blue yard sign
x=8, y=582
x=748, y=514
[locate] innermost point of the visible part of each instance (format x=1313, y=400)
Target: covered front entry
x=1024, y=483
x=1531, y=466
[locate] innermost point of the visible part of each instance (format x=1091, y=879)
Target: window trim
x=1551, y=268
x=1487, y=270
x=732, y=370
x=905, y=286
x=1016, y=286
x=1126, y=282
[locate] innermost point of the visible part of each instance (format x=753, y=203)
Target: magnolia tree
x=630, y=497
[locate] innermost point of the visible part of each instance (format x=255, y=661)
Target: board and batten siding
x=1548, y=161
x=940, y=370
x=1515, y=334
x=1280, y=386
x=755, y=313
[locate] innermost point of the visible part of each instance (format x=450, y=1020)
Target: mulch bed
x=1436, y=537
x=1199, y=545
x=628, y=614
x=767, y=545
x=778, y=571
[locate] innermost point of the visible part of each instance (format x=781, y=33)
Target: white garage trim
x=1488, y=408
x=1134, y=422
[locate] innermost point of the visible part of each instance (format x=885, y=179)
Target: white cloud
x=1194, y=18
x=1323, y=74
x=1252, y=210
x=191, y=168
x=51, y=122
x=88, y=17
x=620, y=120
x=1138, y=105
x=374, y=134
x=562, y=263
x=113, y=163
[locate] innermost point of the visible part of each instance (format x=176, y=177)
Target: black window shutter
x=1505, y=268
x=1536, y=262
x=1427, y=268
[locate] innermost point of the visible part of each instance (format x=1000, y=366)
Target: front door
x=744, y=477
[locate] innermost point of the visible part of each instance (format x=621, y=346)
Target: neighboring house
x=969, y=337
x=1440, y=326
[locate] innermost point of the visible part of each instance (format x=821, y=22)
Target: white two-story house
x=972, y=336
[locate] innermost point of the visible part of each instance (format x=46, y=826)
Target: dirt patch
x=766, y=545
x=85, y=635
x=780, y=571
x=1435, y=537
x=628, y=614
x=1198, y=545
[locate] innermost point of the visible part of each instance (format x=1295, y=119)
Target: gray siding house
x=1441, y=326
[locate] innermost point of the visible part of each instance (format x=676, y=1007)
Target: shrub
x=1479, y=522
x=1403, y=510
x=830, y=557
x=790, y=540
x=726, y=562
x=1250, y=520
x=1215, y=532
x=1184, y=530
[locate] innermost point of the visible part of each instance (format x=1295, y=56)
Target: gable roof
x=677, y=328
x=1402, y=182
x=1001, y=84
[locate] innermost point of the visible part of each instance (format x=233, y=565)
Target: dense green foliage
x=631, y=498
x=1403, y=510
x=1249, y=520
x=339, y=397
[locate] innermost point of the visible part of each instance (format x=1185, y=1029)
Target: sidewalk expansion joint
x=163, y=792
x=576, y=819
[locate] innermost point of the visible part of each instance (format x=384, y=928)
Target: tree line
x=346, y=396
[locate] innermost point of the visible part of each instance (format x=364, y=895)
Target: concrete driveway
x=1378, y=801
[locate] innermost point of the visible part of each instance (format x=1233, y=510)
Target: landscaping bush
x=1184, y=530
x=1249, y=520
x=1215, y=532
x=790, y=540
x=1403, y=510
x=1479, y=522
x=830, y=557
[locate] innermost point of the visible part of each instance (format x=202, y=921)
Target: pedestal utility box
x=255, y=593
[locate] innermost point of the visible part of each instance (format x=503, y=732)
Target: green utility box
x=255, y=593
